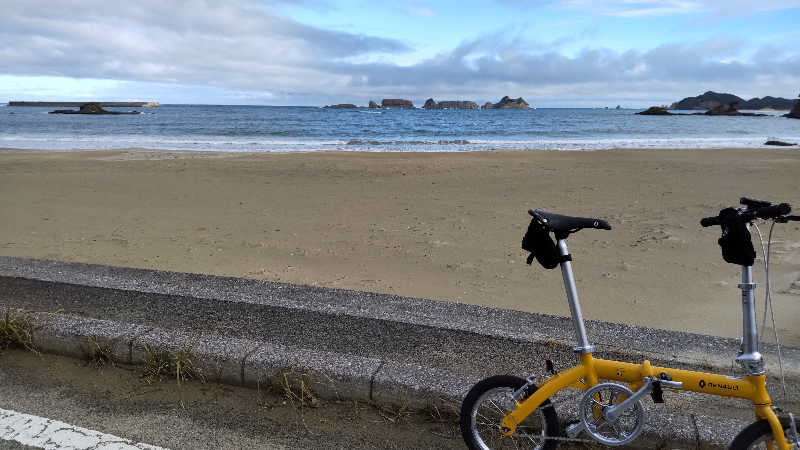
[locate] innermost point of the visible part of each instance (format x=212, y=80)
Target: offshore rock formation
x=728, y=110
x=655, y=111
x=91, y=108
x=723, y=110
x=373, y=104
x=719, y=110
x=779, y=143
x=397, y=103
x=343, y=106
x=507, y=103
x=431, y=104
x=795, y=112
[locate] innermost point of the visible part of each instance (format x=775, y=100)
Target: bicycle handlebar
x=754, y=203
x=771, y=212
x=757, y=209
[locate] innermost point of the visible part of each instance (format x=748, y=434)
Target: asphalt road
x=117, y=401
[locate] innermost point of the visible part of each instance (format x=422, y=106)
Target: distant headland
x=724, y=104
x=711, y=99
x=79, y=104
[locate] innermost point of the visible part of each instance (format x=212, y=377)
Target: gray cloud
x=191, y=41
x=245, y=50
x=498, y=61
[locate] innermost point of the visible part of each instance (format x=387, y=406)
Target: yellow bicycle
x=510, y=412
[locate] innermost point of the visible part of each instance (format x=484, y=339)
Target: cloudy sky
x=315, y=52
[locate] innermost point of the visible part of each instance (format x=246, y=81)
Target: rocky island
x=432, y=104
x=729, y=109
x=795, y=112
x=655, y=111
x=401, y=103
x=397, y=103
x=507, y=103
x=92, y=108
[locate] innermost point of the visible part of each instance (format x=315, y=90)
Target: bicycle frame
x=586, y=374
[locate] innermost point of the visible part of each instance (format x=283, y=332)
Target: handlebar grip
x=709, y=221
x=770, y=212
x=754, y=202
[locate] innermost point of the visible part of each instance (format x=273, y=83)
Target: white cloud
x=243, y=51
x=651, y=8
x=187, y=41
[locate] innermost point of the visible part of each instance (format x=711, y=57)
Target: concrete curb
x=345, y=344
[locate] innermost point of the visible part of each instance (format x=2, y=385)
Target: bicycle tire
x=504, y=385
x=758, y=433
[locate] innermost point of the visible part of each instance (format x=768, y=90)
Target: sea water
x=293, y=129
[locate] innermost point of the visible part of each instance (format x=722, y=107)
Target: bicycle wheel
x=489, y=401
x=758, y=434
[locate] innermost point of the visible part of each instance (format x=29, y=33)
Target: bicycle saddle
x=567, y=224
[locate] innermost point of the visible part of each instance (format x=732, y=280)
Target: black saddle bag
x=736, y=243
x=537, y=240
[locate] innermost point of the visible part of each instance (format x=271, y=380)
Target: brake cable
x=768, y=302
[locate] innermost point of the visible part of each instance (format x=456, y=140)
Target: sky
x=553, y=53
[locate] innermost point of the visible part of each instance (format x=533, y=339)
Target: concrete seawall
x=358, y=344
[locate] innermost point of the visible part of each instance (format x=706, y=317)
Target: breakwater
x=77, y=104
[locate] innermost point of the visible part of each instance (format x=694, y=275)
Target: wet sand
x=439, y=225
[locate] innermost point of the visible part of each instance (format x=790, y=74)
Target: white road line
x=51, y=434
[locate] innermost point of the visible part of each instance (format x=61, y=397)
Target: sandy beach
x=438, y=225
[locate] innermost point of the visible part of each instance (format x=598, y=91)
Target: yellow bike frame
x=590, y=370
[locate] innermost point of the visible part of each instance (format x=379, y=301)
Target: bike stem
x=574, y=303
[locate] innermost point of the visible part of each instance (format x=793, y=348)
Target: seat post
x=749, y=357
x=574, y=303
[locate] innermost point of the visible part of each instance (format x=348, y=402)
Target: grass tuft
x=155, y=366
x=99, y=354
x=160, y=364
x=394, y=413
x=16, y=331
x=442, y=412
x=185, y=369
x=296, y=387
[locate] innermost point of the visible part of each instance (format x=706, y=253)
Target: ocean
x=301, y=129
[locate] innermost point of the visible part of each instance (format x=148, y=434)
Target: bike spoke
x=497, y=408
